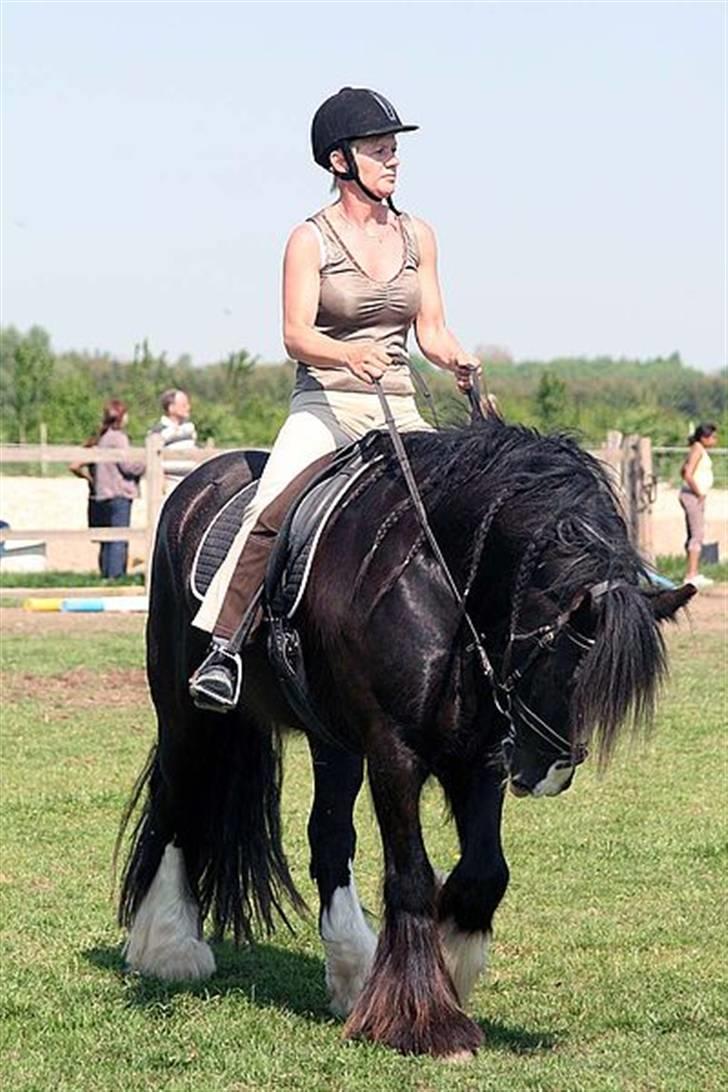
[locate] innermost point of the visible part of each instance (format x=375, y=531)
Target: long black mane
x=519, y=514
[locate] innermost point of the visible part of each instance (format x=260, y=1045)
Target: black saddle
x=310, y=513
x=290, y=564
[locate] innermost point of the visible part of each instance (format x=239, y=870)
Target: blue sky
x=572, y=159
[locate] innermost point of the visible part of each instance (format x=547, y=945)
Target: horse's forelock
x=618, y=679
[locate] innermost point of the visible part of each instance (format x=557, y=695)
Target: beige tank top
x=355, y=307
x=702, y=475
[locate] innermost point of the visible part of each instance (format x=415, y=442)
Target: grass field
x=60, y=579
x=607, y=968
x=670, y=566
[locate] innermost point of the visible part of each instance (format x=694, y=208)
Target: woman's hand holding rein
x=367, y=360
x=464, y=368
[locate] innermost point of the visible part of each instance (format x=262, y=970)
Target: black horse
x=564, y=650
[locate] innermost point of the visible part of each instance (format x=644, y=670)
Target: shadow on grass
x=272, y=977
x=516, y=1040
x=267, y=975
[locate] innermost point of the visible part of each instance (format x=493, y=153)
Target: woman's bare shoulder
x=304, y=240
x=302, y=232
x=425, y=234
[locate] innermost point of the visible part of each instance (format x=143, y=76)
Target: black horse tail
x=213, y=788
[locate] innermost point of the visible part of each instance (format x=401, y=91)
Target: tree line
x=241, y=400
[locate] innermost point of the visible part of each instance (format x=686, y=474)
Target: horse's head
x=571, y=677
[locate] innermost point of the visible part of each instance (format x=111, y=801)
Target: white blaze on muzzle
x=556, y=780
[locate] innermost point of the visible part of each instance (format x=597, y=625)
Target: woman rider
x=356, y=277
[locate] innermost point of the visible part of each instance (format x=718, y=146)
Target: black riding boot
x=216, y=684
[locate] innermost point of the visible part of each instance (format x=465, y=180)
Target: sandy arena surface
x=708, y=612
x=15, y=621
x=127, y=687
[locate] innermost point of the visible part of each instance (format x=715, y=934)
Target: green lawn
x=607, y=966
x=57, y=578
x=671, y=566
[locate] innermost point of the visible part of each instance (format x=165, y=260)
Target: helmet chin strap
x=352, y=175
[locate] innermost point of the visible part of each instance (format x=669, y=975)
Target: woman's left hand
x=465, y=367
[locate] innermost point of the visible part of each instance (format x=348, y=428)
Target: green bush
x=243, y=401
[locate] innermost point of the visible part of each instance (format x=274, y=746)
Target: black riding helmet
x=350, y=114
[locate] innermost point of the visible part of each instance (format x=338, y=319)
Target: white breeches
x=319, y=423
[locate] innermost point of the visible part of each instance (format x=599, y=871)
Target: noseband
x=507, y=699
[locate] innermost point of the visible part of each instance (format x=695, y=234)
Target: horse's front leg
x=408, y=1001
x=475, y=887
x=348, y=941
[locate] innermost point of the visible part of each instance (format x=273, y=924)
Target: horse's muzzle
x=556, y=779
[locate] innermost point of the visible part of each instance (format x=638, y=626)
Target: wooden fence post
x=611, y=453
x=630, y=484
x=155, y=491
x=647, y=485
x=630, y=460
x=43, y=435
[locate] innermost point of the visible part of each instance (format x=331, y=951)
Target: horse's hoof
x=448, y=1035
x=191, y=961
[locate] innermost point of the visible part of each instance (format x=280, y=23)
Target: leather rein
x=505, y=696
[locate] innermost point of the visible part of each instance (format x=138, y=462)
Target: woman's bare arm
x=81, y=470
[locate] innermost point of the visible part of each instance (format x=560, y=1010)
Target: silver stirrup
x=206, y=697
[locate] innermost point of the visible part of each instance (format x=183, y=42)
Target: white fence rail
x=632, y=458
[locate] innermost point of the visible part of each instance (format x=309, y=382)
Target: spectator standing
x=112, y=486
x=697, y=475
x=177, y=431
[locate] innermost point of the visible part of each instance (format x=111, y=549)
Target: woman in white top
x=697, y=475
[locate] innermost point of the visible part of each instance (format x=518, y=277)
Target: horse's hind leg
x=164, y=918
x=165, y=939
x=475, y=887
x=210, y=840
x=348, y=941
x=408, y=1001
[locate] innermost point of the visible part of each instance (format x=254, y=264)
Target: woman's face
x=710, y=441
x=377, y=160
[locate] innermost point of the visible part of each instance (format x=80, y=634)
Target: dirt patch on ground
x=80, y=688
x=708, y=611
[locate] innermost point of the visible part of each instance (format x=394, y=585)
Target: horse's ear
x=665, y=604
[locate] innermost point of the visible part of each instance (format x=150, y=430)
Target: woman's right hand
x=367, y=360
